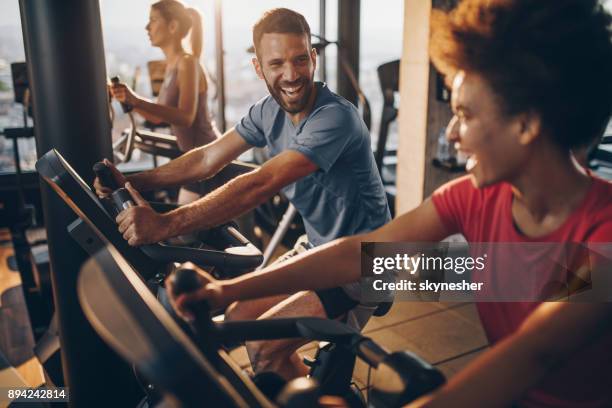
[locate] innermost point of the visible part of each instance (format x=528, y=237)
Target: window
x=11, y=114
x=127, y=51
x=379, y=25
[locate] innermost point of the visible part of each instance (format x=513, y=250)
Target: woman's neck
x=551, y=184
x=173, y=51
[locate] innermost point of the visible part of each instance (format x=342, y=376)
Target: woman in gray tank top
x=202, y=131
x=182, y=100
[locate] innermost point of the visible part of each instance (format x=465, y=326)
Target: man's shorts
x=335, y=301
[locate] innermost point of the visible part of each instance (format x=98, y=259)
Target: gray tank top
x=202, y=131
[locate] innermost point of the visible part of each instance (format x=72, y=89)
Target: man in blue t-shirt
x=344, y=196
x=320, y=157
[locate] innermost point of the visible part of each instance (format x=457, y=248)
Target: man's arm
x=241, y=194
x=548, y=337
x=141, y=225
x=197, y=164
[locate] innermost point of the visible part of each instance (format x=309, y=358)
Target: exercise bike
x=197, y=371
x=226, y=251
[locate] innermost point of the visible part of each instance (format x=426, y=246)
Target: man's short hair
x=281, y=21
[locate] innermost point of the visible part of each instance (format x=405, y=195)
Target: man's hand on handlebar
x=213, y=292
x=124, y=94
x=103, y=191
x=140, y=224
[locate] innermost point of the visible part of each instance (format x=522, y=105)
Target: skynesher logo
x=424, y=263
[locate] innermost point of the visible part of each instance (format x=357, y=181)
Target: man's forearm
x=229, y=201
x=333, y=264
x=188, y=168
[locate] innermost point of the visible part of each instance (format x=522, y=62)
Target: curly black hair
x=552, y=57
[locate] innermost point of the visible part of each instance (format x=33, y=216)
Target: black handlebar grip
x=126, y=108
x=185, y=281
x=105, y=175
x=122, y=199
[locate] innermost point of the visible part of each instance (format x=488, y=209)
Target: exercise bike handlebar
x=240, y=254
x=105, y=175
x=415, y=376
x=126, y=107
x=187, y=280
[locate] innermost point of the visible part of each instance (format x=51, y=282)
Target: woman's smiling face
x=490, y=138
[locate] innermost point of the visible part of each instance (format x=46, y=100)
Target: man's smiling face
x=287, y=63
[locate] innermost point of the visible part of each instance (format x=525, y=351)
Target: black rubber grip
x=105, y=175
x=185, y=281
x=121, y=197
x=126, y=108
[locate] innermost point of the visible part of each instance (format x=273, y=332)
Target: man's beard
x=297, y=106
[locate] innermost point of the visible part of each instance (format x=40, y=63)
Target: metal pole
x=348, y=45
x=279, y=234
x=67, y=76
x=322, y=24
x=220, y=66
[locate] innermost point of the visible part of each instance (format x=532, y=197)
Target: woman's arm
x=146, y=115
x=338, y=262
x=548, y=337
x=182, y=115
x=330, y=265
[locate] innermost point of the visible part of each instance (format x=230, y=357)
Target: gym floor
x=18, y=366
x=448, y=335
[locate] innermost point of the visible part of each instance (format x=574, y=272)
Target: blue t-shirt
x=345, y=196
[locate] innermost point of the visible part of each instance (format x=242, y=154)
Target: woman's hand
x=213, y=291
x=124, y=94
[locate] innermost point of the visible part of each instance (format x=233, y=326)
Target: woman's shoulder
x=599, y=202
x=470, y=203
x=188, y=68
x=186, y=61
x=600, y=194
x=464, y=186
